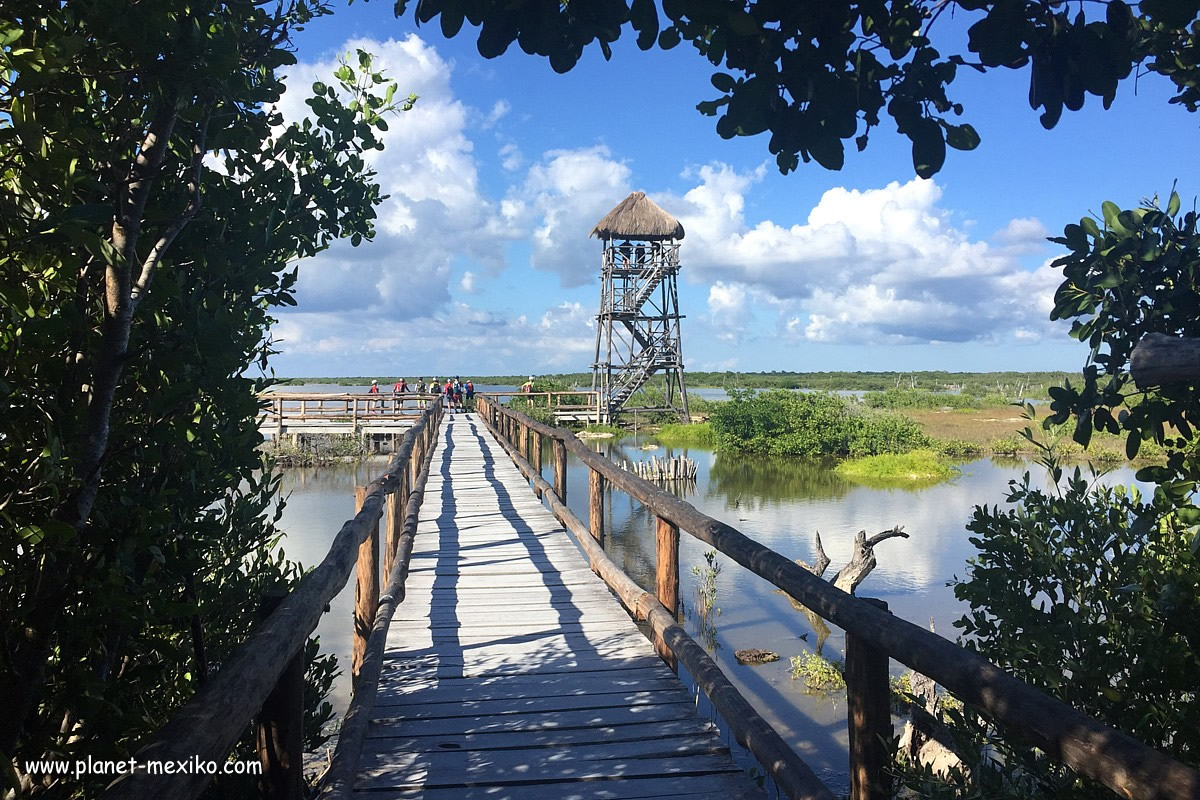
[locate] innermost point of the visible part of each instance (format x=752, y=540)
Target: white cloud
x=728, y=310
x=1021, y=231
x=467, y=284
x=436, y=209
x=871, y=266
x=563, y=197
x=511, y=158
x=559, y=339
x=499, y=111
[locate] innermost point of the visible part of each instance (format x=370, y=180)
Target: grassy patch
x=677, y=435
x=915, y=466
x=613, y=429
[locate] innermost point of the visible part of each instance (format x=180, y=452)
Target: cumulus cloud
x=510, y=157
x=562, y=198
x=874, y=266
x=467, y=284
x=728, y=310
x=436, y=209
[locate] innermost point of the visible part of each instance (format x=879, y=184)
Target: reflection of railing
x=267, y=671
x=1089, y=747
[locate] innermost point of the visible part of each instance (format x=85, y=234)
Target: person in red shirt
x=377, y=403
x=398, y=388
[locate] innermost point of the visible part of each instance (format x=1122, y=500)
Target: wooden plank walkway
x=512, y=672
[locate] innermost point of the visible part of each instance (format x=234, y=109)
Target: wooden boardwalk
x=511, y=670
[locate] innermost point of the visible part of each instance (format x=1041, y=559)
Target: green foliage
x=875, y=433
x=137, y=278
x=1091, y=594
x=317, y=449
x=780, y=422
x=819, y=673
x=699, y=434
x=817, y=80
x=916, y=466
x=706, y=590
x=701, y=405
x=1008, y=445
x=612, y=429
x=1136, y=275
x=900, y=398
x=957, y=448
x=706, y=609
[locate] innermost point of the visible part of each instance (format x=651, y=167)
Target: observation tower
x=637, y=328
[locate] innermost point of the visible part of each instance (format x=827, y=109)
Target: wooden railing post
x=596, y=505
x=535, y=460
x=560, y=469
x=366, y=588
x=523, y=444
x=280, y=726
x=391, y=529
x=667, y=537
x=869, y=715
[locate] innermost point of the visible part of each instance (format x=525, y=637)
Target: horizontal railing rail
x=554, y=401
x=1089, y=747
x=207, y=727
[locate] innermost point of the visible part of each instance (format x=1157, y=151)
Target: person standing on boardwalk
x=377, y=403
x=399, y=388
x=470, y=395
x=458, y=394
x=448, y=390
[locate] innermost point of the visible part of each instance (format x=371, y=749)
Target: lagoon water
x=781, y=503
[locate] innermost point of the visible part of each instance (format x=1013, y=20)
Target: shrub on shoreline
x=786, y=423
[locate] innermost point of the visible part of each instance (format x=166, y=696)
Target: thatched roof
x=637, y=217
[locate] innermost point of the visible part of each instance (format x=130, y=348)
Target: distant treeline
x=1029, y=384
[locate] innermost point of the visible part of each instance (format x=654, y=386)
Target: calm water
x=781, y=503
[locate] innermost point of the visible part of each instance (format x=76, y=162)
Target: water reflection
x=751, y=481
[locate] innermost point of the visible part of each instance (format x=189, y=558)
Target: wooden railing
x=1090, y=748
x=282, y=408
x=265, y=677
x=555, y=401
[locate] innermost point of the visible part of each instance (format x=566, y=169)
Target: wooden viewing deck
x=292, y=414
x=511, y=671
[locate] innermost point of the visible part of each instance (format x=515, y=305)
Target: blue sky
x=482, y=264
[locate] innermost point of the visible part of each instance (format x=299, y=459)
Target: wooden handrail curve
x=207, y=727
x=1089, y=747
